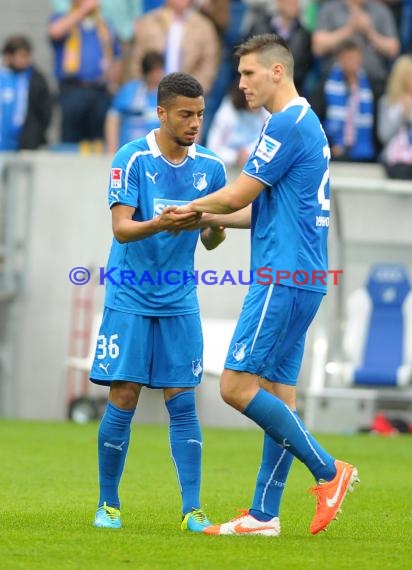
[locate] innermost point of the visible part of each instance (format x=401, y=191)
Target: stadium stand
x=373, y=368
x=377, y=338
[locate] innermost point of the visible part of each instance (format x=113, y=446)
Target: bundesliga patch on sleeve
x=116, y=178
x=267, y=148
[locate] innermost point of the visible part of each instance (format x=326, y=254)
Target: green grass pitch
x=49, y=492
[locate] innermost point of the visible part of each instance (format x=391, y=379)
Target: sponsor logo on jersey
x=267, y=148
x=116, y=178
x=159, y=204
x=199, y=181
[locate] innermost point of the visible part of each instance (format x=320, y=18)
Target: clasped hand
x=174, y=219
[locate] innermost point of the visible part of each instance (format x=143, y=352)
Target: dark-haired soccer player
x=151, y=333
x=287, y=181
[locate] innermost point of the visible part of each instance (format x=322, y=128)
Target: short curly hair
x=175, y=84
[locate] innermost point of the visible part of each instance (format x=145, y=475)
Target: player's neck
x=282, y=98
x=170, y=149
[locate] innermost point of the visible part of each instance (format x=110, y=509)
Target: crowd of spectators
x=353, y=62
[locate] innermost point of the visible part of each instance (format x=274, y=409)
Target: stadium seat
x=377, y=340
x=371, y=370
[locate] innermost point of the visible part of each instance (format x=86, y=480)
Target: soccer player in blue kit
x=151, y=332
x=286, y=179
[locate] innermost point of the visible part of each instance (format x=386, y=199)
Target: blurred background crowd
x=353, y=62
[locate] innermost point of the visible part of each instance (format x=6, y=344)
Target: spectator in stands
x=25, y=99
x=186, y=38
x=218, y=11
x=286, y=23
x=406, y=27
x=402, y=13
x=395, y=120
x=235, y=128
x=345, y=105
x=87, y=67
x=120, y=14
x=133, y=112
x=227, y=16
x=371, y=23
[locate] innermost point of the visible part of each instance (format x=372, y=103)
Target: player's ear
x=161, y=113
x=277, y=71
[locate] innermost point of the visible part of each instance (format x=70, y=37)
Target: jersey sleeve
x=123, y=181
x=275, y=151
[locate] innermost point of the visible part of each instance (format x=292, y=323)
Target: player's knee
x=182, y=404
x=124, y=395
x=238, y=388
x=230, y=391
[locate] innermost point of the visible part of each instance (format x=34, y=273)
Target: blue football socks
x=113, y=443
x=186, y=447
x=286, y=429
x=271, y=480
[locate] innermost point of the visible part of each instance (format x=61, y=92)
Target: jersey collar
x=296, y=101
x=155, y=150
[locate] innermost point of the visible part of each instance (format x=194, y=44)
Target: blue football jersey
x=290, y=217
x=155, y=276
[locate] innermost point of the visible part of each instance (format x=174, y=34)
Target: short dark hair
x=175, y=84
x=152, y=60
x=270, y=47
x=16, y=43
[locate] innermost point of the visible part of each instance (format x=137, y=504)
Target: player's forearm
x=240, y=219
x=126, y=231
x=224, y=201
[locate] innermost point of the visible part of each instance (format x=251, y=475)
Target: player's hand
x=189, y=224
x=189, y=208
x=218, y=231
x=213, y=236
x=172, y=221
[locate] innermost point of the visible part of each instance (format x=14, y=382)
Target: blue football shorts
x=269, y=338
x=159, y=352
